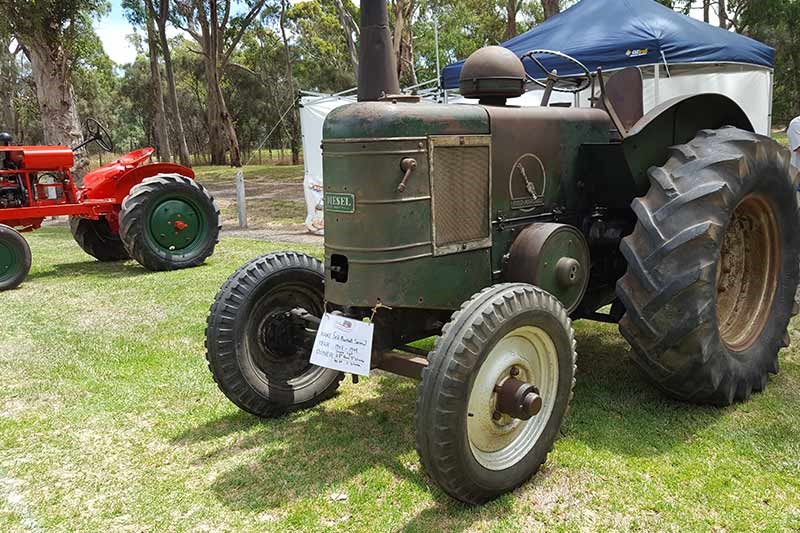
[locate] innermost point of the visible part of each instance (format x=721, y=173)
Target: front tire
x=713, y=267
x=259, y=359
x=169, y=222
x=473, y=448
x=15, y=258
x=96, y=239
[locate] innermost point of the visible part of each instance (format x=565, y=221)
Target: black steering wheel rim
x=99, y=134
x=585, y=76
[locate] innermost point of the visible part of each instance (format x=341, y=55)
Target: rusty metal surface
x=387, y=239
x=492, y=71
x=370, y=120
x=535, y=155
x=377, y=70
x=624, y=91
x=538, y=255
x=460, y=184
x=747, y=273
x=410, y=366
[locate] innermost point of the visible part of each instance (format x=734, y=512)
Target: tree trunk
x=402, y=39
x=550, y=7
x=54, y=91
x=172, y=93
x=294, y=137
x=161, y=131
x=706, y=11
x=511, y=18
x=351, y=34
x=220, y=123
x=723, y=14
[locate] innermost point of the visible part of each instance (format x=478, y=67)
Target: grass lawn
x=109, y=420
x=215, y=176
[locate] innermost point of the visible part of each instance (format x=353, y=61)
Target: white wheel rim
x=500, y=444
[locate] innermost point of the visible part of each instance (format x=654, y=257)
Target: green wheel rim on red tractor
x=11, y=261
x=177, y=224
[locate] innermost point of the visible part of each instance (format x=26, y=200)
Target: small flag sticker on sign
x=343, y=344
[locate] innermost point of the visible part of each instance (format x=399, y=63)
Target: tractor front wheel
x=96, y=239
x=258, y=351
x=15, y=258
x=169, y=222
x=713, y=267
x=496, y=389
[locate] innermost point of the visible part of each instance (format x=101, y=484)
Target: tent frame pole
x=656, y=81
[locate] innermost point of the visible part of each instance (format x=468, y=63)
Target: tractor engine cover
x=554, y=257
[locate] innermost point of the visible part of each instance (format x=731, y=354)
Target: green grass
x=109, y=420
x=781, y=136
x=212, y=176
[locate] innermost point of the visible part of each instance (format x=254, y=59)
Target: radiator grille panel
x=460, y=194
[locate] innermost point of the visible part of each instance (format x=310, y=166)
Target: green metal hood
x=375, y=120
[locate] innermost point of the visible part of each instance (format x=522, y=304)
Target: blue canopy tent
x=676, y=55
x=614, y=34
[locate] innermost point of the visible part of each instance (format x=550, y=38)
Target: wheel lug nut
x=496, y=415
x=514, y=371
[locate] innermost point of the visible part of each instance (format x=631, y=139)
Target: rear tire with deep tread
x=136, y=216
x=96, y=239
x=442, y=412
x=238, y=357
x=670, y=290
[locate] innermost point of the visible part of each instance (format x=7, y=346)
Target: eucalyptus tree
x=217, y=27
x=54, y=34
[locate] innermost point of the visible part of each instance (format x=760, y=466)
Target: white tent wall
x=747, y=85
x=313, y=110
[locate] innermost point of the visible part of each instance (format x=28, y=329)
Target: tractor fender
x=674, y=122
x=118, y=185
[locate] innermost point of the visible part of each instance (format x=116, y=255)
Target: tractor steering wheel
x=99, y=134
x=562, y=84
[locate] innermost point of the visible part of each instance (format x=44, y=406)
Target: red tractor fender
x=115, y=181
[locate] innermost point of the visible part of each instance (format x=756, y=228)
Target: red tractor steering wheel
x=132, y=159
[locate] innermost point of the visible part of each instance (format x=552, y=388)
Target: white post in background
x=241, y=199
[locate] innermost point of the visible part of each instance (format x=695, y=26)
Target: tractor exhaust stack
x=377, y=70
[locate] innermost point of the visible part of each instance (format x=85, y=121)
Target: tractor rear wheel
x=15, y=258
x=96, y=239
x=497, y=386
x=713, y=267
x=258, y=353
x=169, y=222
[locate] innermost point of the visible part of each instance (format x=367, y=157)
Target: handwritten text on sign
x=343, y=344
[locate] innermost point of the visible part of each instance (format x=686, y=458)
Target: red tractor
x=155, y=213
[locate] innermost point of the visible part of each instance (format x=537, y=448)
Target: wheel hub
x=512, y=397
x=518, y=399
x=747, y=273
x=175, y=224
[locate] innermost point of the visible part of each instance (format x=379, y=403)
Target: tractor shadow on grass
x=617, y=409
x=93, y=268
x=314, y=453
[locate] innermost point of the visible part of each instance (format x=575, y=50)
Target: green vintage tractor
x=491, y=227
